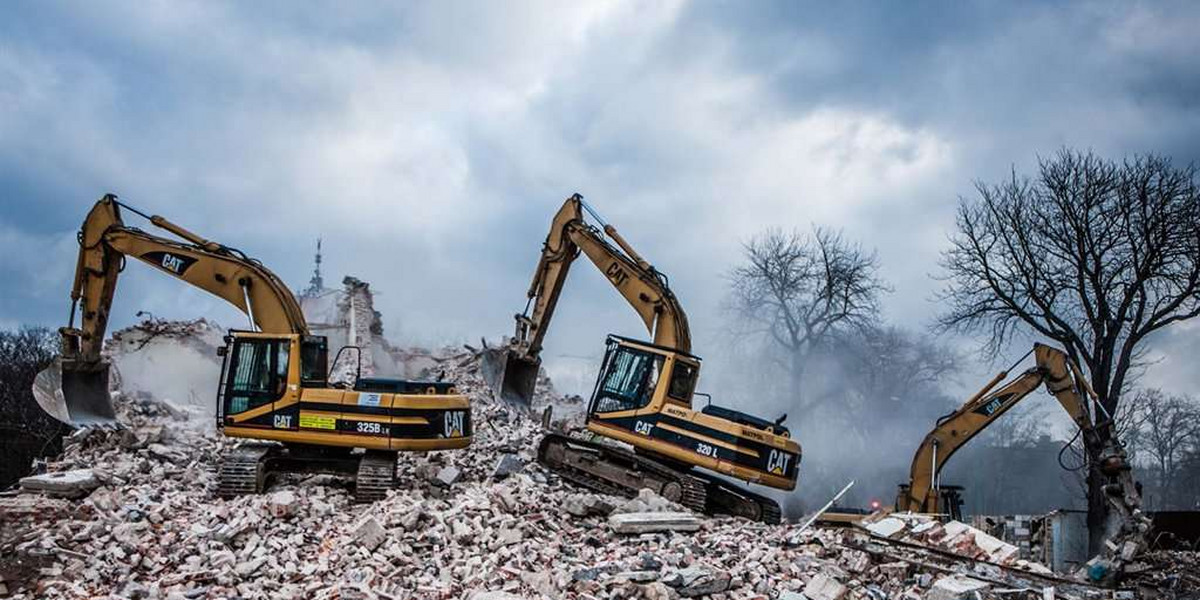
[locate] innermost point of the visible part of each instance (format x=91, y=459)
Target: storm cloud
x=429, y=144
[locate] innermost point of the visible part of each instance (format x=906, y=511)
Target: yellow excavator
x=644, y=392
x=924, y=492
x=275, y=386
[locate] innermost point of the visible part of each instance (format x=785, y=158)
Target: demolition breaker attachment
x=76, y=393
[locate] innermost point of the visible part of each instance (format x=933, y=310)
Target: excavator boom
x=512, y=370
x=75, y=388
x=1062, y=378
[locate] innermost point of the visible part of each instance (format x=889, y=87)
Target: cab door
x=256, y=377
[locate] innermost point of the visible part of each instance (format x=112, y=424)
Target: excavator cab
x=643, y=396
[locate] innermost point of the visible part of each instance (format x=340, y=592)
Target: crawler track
x=620, y=472
x=726, y=498
x=244, y=470
x=617, y=471
x=376, y=475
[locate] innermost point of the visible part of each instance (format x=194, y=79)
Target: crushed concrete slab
x=824, y=587
x=506, y=465
x=698, y=581
x=447, y=476
x=282, y=504
x=648, y=501
x=369, y=534
x=885, y=527
x=651, y=522
x=586, y=505
x=76, y=483
x=955, y=587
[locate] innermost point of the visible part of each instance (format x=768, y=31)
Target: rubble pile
x=952, y=536
x=485, y=523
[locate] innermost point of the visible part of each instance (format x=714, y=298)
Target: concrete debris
x=952, y=536
x=694, y=582
x=648, y=502
x=369, y=534
x=447, y=476
x=281, y=504
x=886, y=527
x=458, y=525
x=824, y=587
x=653, y=522
x=506, y=465
x=955, y=587
x=588, y=505
x=64, y=484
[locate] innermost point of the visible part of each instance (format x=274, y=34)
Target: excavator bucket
x=76, y=393
x=511, y=377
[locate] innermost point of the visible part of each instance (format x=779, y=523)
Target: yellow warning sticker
x=317, y=422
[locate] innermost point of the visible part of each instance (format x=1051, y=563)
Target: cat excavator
x=924, y=492
x=644, y=393
x=275, y=388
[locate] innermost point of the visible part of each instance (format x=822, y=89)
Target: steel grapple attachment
x=76, y=393
x=511, y=377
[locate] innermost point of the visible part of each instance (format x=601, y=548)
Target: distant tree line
x=25, y=430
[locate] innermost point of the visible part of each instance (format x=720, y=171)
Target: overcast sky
x=430, y=144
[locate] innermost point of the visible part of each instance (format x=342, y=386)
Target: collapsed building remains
x=133, y=514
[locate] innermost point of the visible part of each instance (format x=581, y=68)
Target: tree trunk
x=796, y=376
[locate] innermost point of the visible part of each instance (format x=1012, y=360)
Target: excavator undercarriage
x=249, y=468
x=613, y=470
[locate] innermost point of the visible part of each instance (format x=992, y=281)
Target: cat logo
x=453, y=423
x=643, y=427
x=993, y=405
x=283, y=421
x=777, y=462
x=172, y=263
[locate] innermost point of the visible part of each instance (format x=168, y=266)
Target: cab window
x=258, y=375
x=314, y=361
x=629, y=380
x=683, y=380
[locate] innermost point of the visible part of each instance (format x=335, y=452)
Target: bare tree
x=797, y=289
x=891, y=373
x=1093, y=254
x=1167, y=428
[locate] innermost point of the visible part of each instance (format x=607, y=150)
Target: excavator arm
x=514, y=374
x=1062, y=378
x=75, y=389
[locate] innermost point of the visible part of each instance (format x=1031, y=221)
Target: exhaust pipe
x=76, y=393
x=512, y=378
